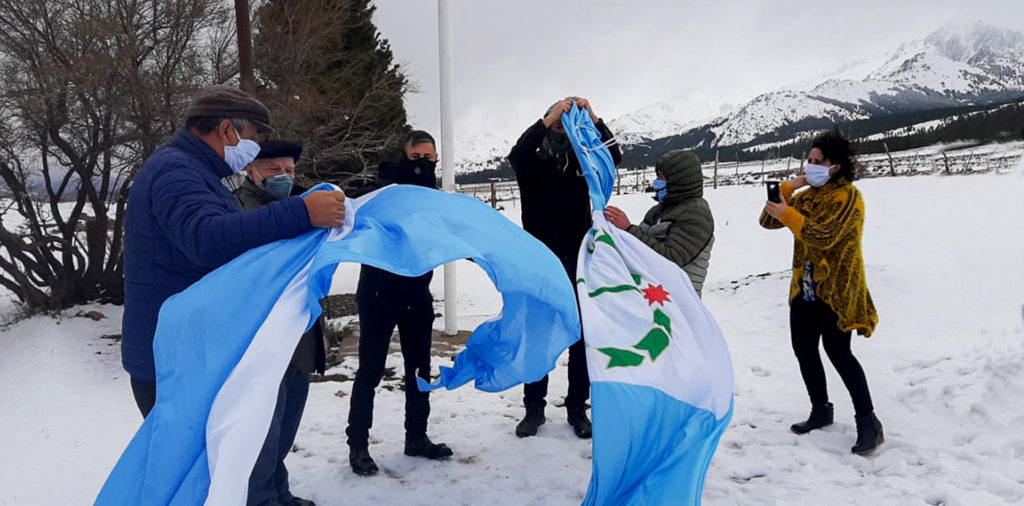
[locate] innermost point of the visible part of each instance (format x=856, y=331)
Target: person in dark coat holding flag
x=182, y=222
x=557, y=210
x=388, y=300
x=271, y=178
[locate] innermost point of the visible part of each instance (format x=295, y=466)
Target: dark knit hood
x=683, y=174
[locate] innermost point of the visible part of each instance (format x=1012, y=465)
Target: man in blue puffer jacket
x=182, y=221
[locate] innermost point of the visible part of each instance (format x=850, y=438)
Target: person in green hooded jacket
x=680, y=227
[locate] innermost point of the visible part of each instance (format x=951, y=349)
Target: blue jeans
x=268, y=483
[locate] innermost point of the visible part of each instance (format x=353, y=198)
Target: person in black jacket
x=388, y=300
x=557, y=210
x=269, y=178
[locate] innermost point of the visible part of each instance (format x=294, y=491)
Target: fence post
x=618, y=181
x=945, y=160
x=494, y=195
x=736, y=174
x=803, y=160
x=892, y=166
x=715, y=179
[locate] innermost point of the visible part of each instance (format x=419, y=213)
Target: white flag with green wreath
x=661, y=376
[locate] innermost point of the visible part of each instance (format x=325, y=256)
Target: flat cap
x=279, y=149
x=221, y=101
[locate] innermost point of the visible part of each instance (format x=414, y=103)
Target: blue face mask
x=280, y=186
x=661, y=189
x=240, y=155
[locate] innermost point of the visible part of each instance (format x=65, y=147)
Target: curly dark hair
x=836, y=148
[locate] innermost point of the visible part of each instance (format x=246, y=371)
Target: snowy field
x=946, y=369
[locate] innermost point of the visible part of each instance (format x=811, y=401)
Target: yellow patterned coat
x=827, y=224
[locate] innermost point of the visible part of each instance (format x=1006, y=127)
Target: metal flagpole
x=444, y=32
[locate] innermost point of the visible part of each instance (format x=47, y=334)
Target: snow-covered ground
x=946, y=369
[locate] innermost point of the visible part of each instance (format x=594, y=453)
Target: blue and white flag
x=223, y=344
x=660, y=372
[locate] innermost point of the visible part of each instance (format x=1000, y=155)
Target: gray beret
x=230, y=103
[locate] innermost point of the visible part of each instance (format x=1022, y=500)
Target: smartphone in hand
x=773, y=191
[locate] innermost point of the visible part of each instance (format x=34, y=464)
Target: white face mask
x=242, y=154
x=817, y=175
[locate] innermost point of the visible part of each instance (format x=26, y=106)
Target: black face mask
x=419, y=172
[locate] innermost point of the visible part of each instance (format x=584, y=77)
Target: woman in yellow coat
x=828, y=294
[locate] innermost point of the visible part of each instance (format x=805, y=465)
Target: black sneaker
x=361, y=462
x=421, y=446
x=533, y=420
x=821, y=416
x=869, y=434
x=577, y=416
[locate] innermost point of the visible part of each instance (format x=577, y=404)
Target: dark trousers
x=579, y=380
x=379, y=314
x=268, y=483
x=145, y=395
x=809, y=322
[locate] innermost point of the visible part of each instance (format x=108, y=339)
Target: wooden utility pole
x=244, y=46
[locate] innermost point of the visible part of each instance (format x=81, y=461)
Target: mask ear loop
x=239, y=137
x=606, y=144
x=586, y=151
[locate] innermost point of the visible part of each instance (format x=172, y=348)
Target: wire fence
x=997, y=159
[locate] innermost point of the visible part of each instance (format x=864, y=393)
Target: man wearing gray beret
x=270, y=178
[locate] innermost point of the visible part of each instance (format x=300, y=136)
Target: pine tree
x=331, y=83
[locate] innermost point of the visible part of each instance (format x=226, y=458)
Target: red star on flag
x=655, y=294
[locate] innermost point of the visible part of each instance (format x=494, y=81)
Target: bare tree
x=91, y=88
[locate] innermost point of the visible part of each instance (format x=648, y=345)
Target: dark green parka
x=681, y=227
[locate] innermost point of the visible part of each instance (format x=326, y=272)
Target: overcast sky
x=512, y=59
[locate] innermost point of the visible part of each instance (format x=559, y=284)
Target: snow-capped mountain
x=956, y=65
x=662, y=119
x=969, y=60
x=953, y=66
x=480, y=151
x=485, y=150
x=771, y=111
x=855, y=70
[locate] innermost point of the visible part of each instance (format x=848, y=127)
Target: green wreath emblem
x=658, y=338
